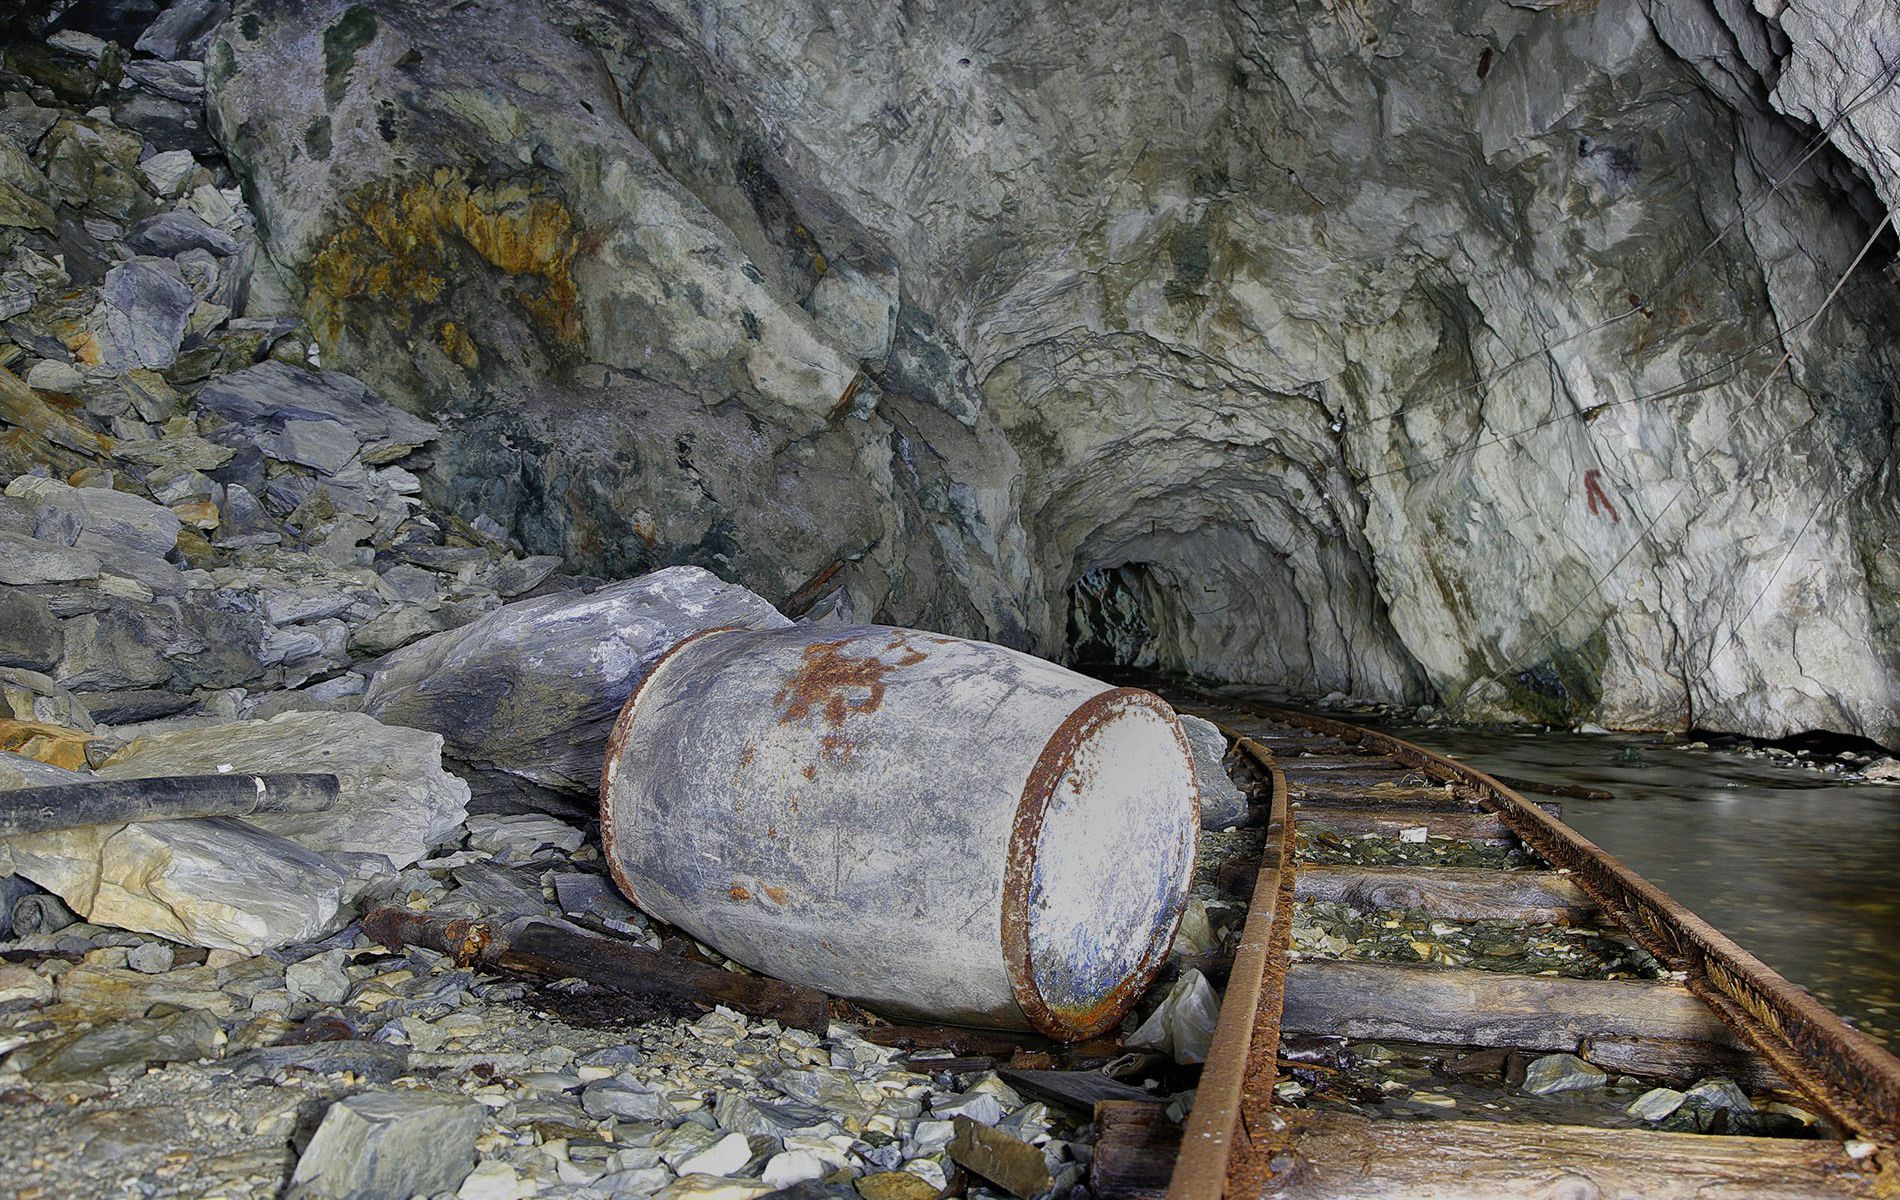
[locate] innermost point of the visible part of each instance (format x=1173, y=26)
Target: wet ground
x=1801, y=869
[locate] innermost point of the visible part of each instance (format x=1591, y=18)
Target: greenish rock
x=124, y=646
x=1655, y=1104
x=384, y=1145
x=1552, y=1074
x=25, y=560
x=1719, y=1093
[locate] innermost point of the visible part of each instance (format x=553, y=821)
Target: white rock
x=214, y=882
x=518, y=837
x=712, y=1187
x=1655, y=1104
x=1882, y=770
x=168, y=171
x=319, y=978
x=50, y=375
x=788, y=1167
x=493, y=1180
x=1222, y=802
x=388, y=1144
x=21, y=982
x=723, y=1157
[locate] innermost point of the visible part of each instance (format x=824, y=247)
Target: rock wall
x=1417, y=352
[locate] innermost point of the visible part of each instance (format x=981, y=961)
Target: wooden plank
x=1459, y=826
x=1135, y=1150
x=1461, y=1007
x=1009, y=1162
x=1679, y=1061
x=1455, y=893
x=959, y=1065
x=1081, y=1090
x=1297, y=766
x=562, y=952
x=1334, y=1154
x=546, y=949
x=1380, y=795
x=994, y=1043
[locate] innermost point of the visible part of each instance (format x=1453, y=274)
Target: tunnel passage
x=1108, y=618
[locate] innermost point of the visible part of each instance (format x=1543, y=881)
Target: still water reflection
x=1802, y=871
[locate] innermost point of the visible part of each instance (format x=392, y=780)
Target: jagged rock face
x=955, y=306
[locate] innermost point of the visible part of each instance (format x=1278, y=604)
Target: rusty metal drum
x=933, y=827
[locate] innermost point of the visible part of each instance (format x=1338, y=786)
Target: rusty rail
x=1853, y=1079
x=1236, y=1088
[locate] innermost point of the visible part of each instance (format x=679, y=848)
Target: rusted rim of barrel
x=617, y=744
x=1066, y=1024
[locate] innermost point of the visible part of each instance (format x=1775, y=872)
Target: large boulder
x=533, y=687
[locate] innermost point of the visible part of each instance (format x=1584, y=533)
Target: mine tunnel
x=1108, y=623
x=980, y=600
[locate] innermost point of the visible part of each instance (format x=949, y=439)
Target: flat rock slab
x=97, y=519
x=533, y=687
x=273, y=394
x=388, y=1144
x=147, y=303
x=213, y=882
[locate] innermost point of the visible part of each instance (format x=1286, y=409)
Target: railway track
x=1281, y=1112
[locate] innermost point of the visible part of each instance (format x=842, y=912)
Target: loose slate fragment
x=388, y=1144
x=1078, y=1089
x=147, y=306
x=1010, y=1163
x=395, y=801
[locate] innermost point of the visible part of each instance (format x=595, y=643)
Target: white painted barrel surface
x=933, y=827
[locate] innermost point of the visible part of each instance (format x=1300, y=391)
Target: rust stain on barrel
x=825, y=674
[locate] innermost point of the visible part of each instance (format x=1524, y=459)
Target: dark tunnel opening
x=1109, y=623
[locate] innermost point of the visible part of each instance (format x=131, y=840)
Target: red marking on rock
x=1594, y=495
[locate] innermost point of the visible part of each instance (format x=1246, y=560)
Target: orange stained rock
x=400, y=244
x=52, y=744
